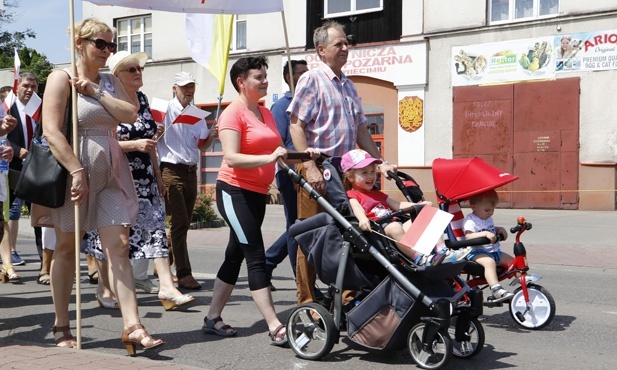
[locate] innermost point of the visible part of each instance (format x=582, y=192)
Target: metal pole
x=291, y=72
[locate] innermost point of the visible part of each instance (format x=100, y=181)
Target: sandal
x=44, y=278
x=208, y=328
x=131, y=344
x=63, y=337
x=277, y=338
x=94, y=277
x=8, y=277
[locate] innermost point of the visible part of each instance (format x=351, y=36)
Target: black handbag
x=43, y=179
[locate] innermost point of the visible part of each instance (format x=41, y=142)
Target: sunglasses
x=133, y=69
x=102, y=44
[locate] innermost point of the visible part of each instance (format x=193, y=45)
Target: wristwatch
x=99, y=95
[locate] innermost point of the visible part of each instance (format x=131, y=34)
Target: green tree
x=31, y=60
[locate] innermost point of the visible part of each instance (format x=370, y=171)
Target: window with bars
x=338, y=8
x=504, y=11
x=135, y=34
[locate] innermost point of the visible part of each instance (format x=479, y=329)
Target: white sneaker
x=146, y=285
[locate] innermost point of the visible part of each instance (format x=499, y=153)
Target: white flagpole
x=291, y=72
x=76, y=151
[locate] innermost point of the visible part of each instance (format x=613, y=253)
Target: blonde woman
x=100, y=179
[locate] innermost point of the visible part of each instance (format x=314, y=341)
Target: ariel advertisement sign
x=517, y=60
x=588, y=51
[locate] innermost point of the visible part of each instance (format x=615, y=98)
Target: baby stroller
x=398, y=304
x=532, y=306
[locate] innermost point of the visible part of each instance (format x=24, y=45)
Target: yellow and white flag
x=208, y=37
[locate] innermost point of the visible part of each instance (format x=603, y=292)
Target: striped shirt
x=331, y=109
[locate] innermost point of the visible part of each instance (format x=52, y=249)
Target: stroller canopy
x=458, y=179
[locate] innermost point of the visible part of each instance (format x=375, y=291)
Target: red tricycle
x=532, y=306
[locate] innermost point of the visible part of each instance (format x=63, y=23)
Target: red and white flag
x=191, y=115
x=16, y=68
x=8, y=102
x=426, y=230
x=158, y=107
x=33, y=108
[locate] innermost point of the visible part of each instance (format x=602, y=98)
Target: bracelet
x=77, y=170
x=99, y=95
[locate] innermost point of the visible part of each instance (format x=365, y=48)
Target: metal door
x=528, y=129
x=546, y=136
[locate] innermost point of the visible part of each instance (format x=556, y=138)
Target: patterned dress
x=147, y=237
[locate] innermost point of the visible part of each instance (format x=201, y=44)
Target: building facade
x=524, y=84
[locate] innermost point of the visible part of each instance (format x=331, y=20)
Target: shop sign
x=401, y=64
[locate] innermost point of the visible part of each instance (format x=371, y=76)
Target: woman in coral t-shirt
x=251, y=146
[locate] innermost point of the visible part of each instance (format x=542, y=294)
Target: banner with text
x=500, y=62
x=587, y=51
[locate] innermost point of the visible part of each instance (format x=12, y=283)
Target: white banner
x=508, y=61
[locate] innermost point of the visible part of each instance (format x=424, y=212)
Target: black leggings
x=244, y=212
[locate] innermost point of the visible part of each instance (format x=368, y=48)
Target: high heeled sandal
x=171, y=303
x=110, y=305
x=10, y=278
x=131, y=344
x=65, y=339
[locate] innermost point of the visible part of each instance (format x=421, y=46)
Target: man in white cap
x=179, y=152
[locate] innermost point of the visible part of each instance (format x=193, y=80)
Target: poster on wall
x=587, y=51
x=500, y=62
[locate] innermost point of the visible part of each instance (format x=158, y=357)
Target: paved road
x=566, y=247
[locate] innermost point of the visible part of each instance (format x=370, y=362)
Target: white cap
x=183, y=78
x=123, y=57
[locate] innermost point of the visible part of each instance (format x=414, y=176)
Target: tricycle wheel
x=436, y=354
x=541, y=309
x=311, y=331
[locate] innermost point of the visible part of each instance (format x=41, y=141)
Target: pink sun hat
x=357, y=158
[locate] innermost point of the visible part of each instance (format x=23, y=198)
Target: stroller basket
x=382, y=319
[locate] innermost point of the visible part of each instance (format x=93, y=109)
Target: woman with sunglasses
x=100, y=180
x=147, y=238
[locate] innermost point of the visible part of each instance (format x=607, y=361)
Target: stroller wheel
x=438, y=353
x=472, y=338
x=311, y=331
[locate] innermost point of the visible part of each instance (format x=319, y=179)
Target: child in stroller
x=369, y=204
x=398, y=305
x=479, y=224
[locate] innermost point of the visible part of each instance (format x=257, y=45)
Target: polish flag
x=16, y=68
x=191, y=115
x=426, y=230
x=9, y=101
x=158, y=107
x=33, y=108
